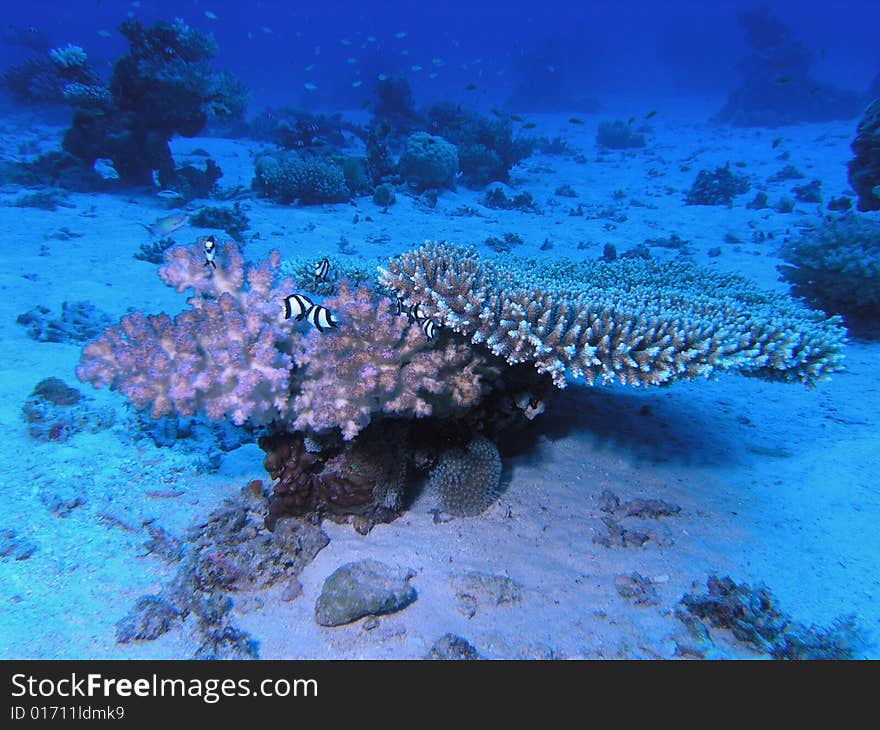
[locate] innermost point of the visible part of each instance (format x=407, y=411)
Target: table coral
x=638, y=322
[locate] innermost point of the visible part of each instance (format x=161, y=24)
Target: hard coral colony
x=505, y=336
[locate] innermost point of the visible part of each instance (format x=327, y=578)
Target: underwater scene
x=493, y=330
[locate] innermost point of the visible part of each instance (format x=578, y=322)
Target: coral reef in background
x=619, y=135
x=395, y=104
x=288, y=177
x=864, y=168
x=233, y=221
x=635, y=321
x=487, y=148
x=62, y=75
x=428, y=162
x=836, y=266
x=717, y=188
x=227, y=356
x=163, y=87
x=778, y=86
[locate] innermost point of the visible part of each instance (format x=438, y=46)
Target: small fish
x=266, y=29
x=471, y=87
x=495, y=112
x=210, y=251
x=401, y=308
x=651, y=114
x=322, y=269
x=210, y=16
x=415, y=313
x=310, y=67
x=516, y=118
x=320, y=318
x=309, y=86
x=371, y=39
x=438, y=62
x=401, y=35
x=429, y=328
x=366, y=103
x=351, y=60
x=416, y=68
x=784, y=79
x=433, y=75
x=168, y=224
x=169, y=195
x=575, y=120
x=356, y=84
x=529, y=125
x=105, y=33
x=631, y=121
x=297, y=306
x=776, y=142
x=345, y=42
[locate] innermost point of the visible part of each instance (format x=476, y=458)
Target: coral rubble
x=754, y=618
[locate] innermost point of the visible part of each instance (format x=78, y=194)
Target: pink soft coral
x=227, y=356
x=378, y=362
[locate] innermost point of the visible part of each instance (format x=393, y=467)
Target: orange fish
x=166, y=225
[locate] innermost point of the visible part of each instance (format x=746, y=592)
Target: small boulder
x=363, y=588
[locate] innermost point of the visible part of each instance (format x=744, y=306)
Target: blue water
x=770, y=483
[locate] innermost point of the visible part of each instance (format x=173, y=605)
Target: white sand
x=777, y=483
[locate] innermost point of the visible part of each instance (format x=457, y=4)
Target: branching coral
x=379, y=362
x=164, y=86
x=227, y=356
x=639, y=322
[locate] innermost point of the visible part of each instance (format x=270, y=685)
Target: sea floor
x=776, y=483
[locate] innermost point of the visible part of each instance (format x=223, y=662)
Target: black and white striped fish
x=429, y=328
x=321, y=270
x=320, y=318
x=297, y=306
x=210, y=251
x=415, y=313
